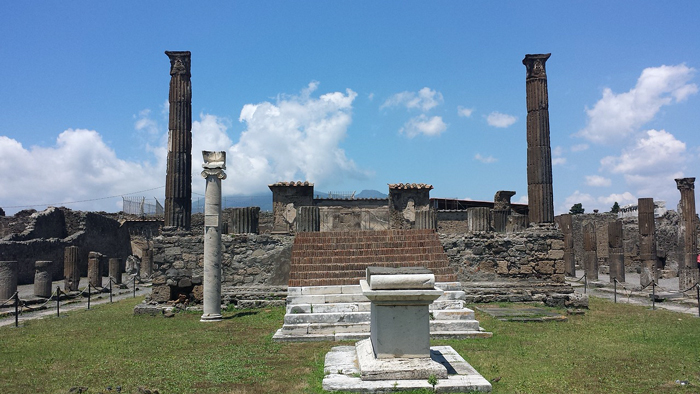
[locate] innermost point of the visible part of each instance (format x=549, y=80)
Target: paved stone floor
x=26, y=293
x=630, y=292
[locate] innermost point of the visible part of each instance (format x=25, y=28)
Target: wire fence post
x=585, y=284
x=58, y=301
x=17, y=309
x=615, y=286
x=653, y=295
x=89, y=295
x=110, y=289
x=134, y=286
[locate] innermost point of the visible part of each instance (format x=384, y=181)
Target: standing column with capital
x=539, y=153
x=214, y=166
x=178, y=181
x=688, y=273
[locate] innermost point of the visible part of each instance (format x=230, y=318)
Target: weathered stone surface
x=71, y=269
x=286, y=198
x=178, y=183
x=647, y=242
x=214, y=166
x=308, y=219
x=539, y=155
x=95, y=269
x=688, y=267
x=115, y=270
x=484, y=256
x=405, y=200
x=590, y=252
x=42, y=279
x=244, y=220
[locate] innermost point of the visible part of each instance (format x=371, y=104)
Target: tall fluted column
x=214, y=166
x=539, y=153
x=688, y=273
x=647, y=241
x=178, y=182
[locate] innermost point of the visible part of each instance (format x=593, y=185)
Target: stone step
x=331, y=318
x=302, y=335
x=317, y=272
x=394, y=257
x=454, y=325
x=318, y=252
x=453, y=314
x=456, y=306
x=355, y=297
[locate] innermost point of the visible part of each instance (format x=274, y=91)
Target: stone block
x=502, y=267
x=198, y=293
x=160, y=293
x=148, y=310
x=555, y=254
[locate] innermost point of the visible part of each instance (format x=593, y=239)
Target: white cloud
x=660, y=152
x=557, y=161
x=497, y=119
x=579, y=147
x=464, y=112
x=370, y=96
x=423, y=100
x=556, y=156
x=621, y=198
x=485, y=159
x=651, y=164
x=616, y=116
x=421, y=124
x=523, y=199
x=597, y=181
x=80, y=166
x=587, y=201
x=296, y=138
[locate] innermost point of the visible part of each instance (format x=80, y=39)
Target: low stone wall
x=536, y=254
x=258, y=262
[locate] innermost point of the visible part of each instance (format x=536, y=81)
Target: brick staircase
x=341, y=258
x=324, y=299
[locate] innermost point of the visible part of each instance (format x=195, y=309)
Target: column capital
x=535, y=66
x=179, y=62
x=214, y=164
x=685, y=183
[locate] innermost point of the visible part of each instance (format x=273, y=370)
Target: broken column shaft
x=616, y=257
x=647, y=241
x=214, y=166
x=539, y=153
x=42, y=279
x=688, y=273
x=178, y=182
x=590, y=252
x=566, y=226
x=71, y=269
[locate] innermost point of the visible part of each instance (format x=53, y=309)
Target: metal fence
x=139, y=206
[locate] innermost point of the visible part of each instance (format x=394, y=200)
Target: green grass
x=614, y=348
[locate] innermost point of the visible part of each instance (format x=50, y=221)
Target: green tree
x=615, y=208
x=577, y=209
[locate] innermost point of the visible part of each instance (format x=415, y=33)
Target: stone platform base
x=342, y=374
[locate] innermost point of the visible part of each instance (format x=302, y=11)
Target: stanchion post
x=585, y=284
x=89, y=296
x=653, y=295
x=697, y=289
x=134, y=286
x=615, y=286
x=58, y=301
x=16, y=309
x=110, y=289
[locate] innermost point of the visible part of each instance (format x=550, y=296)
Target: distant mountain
x=371, y=194
x=263, y=200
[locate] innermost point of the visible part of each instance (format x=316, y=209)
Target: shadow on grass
x=240, y=314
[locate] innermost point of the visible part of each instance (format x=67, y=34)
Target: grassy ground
x=614, y=348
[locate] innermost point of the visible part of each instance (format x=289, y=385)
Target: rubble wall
x=536, y=254
x=248, y=260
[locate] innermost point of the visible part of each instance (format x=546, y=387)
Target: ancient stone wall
x=536, y=253
x=248, y=260
x=89, y=231
x=669, y=249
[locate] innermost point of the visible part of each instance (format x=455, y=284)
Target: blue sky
x=349, y=95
